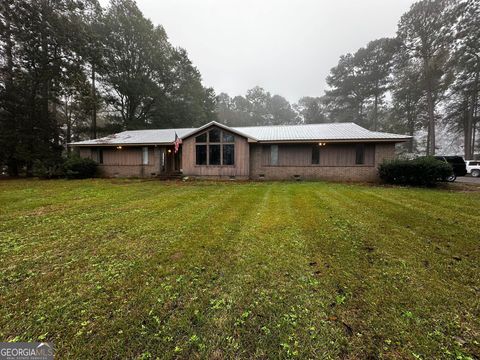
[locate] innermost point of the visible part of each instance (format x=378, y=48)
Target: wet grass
x=145, y=269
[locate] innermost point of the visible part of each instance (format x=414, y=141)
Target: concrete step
x=170, y=176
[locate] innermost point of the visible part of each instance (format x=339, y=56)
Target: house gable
x=216, y=151
x=211, y=124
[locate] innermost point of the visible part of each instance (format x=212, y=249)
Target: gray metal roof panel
x=133, y=137
x=235, y=130
x=308, y=132
x=331, y=131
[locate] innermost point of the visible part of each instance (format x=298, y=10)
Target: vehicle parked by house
x=458, y=166
x=473, y=167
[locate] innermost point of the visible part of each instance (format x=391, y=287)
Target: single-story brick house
x=336, y=151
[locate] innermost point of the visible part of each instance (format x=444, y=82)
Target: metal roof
x=235, y=130
x=278, y=133
x=331, y=131
x=138, y=137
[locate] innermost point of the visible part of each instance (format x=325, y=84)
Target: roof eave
x=333, y=140
x=121, y=144
x=225, y=127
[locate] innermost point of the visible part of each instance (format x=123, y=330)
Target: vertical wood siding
x=330, y=155
x=337, y=162
x=240, y=169
x=125, y=162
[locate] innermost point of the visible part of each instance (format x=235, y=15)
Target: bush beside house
x=49, y=169
x=418, y=172
x=72, y=167
x=76, y=167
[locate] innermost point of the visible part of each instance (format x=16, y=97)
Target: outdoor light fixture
x=169, y=151
x=119, y=148
x=322, y=144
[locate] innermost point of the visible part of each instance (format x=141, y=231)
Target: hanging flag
x=177, y=143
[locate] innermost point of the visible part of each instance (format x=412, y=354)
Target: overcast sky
x=284, y=46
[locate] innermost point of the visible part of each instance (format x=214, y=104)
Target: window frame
x=97, y=155
x=220, y=143
x=197, y=146
x=274, y=150
x=145, y=155
x=360, y=154
x=315, y=155
x=225, y=146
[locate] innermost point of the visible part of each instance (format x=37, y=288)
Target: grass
x=145, y=269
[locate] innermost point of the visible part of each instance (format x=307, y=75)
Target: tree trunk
x=360, y=112
x=474, y=113
x=52, y=95
x=375, y=113
x=94, y=108
x=45, y=83
x=430, y=108
x=11, y=123
x=474, y=131
x=411, y=130
x=68, y=119
x=8, y=47
x=468, y=127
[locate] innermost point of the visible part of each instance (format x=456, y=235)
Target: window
x=227, y=137
x=163, y=161
x=201, y=138
x=274, y=155
x=215, y=147
x=97, y=155
x=315, y=155
x=144, y=155
x=201, y=154
x=360, y=154
x=228, y=154
x=214, y=135
x=214, y=154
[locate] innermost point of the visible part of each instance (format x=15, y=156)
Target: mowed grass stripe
x=139, y=269
x=430, y=206
x=406, y=257
x=191, y=249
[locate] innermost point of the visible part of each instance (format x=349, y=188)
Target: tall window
x=360, y=154
x=215, y=147
x=273, y=154
x=315, y=154
x=97, y=155
x=144, y=155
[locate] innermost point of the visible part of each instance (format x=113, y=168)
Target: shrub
x=48, y=169
x=76, y=167
x=425, y=171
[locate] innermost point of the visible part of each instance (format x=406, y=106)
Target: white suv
x=473, y=167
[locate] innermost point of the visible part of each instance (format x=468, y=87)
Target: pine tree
x=424, y=35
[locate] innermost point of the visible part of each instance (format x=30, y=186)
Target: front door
x=172, y=160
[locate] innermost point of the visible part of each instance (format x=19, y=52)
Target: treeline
x=72, y=70
x=424, y=80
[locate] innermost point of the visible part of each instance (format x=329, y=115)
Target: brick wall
x=339, y=173
x=127, y=171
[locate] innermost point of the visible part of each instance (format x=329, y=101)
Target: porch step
x=171, y=176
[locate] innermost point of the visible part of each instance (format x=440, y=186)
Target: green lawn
x=140, y=269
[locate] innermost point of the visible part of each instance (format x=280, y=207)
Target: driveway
x=468, y=180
